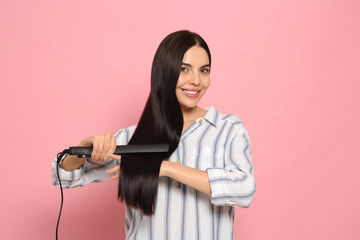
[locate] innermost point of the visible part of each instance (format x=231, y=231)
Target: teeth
x=191, y=92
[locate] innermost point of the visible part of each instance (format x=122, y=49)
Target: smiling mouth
x=191, y=91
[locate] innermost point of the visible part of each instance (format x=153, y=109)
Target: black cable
x=60, y=155
x=86, y=151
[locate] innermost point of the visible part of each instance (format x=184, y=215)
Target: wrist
x=164, y=169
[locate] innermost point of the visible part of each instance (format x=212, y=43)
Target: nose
x=195, y=79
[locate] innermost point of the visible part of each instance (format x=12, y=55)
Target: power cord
x=60, y=155
x=86, y=152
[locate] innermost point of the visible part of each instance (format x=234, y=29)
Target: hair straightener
x=85, y=152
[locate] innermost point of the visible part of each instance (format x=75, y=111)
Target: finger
x=94, y=144
x=113, y=170
x=100, y=147
x=114, y=156
x=112, y=147
x=107, y=143
x=116, y=176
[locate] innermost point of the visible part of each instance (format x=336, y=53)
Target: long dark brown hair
x=160, y=122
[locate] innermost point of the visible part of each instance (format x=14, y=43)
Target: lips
x=192, y=93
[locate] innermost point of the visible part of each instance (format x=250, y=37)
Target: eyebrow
x=187, y=64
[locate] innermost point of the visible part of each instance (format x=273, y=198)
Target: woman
x=208, y=170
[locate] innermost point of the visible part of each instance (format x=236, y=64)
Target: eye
x=184, y=69
x=205, y=70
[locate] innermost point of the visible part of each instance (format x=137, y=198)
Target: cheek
x=180, y=82
x=206, y=82
x=178, y=96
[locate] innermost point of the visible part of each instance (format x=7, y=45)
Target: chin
x=188, y=106
x=187, y=103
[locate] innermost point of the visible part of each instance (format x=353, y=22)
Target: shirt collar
x=212, y=116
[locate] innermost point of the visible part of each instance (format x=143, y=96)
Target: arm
x=90, y=171
x=192, y=177
x=75, y=172
x=234, y=184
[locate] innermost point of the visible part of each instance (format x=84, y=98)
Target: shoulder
x=230, y=124
x=230, y=120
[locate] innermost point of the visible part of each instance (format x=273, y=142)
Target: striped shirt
x=216, y=143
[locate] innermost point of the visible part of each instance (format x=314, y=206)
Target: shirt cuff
x=216, y=176
x=68, y=175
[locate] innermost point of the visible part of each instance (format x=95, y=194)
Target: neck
x=191, y=114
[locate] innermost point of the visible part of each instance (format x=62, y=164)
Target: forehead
x=196, y=56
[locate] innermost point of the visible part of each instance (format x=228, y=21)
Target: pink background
x=289, y=69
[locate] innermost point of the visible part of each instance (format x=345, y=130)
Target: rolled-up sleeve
x=91, y=171
x=235, y=183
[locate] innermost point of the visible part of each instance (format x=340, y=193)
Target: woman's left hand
x=115, y=169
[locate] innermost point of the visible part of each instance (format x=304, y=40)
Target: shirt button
x=200, y=121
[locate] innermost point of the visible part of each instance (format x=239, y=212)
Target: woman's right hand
x=104, y=146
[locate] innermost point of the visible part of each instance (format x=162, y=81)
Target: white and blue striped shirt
x=216, y=143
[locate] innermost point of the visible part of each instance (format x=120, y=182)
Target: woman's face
x=194, y=78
